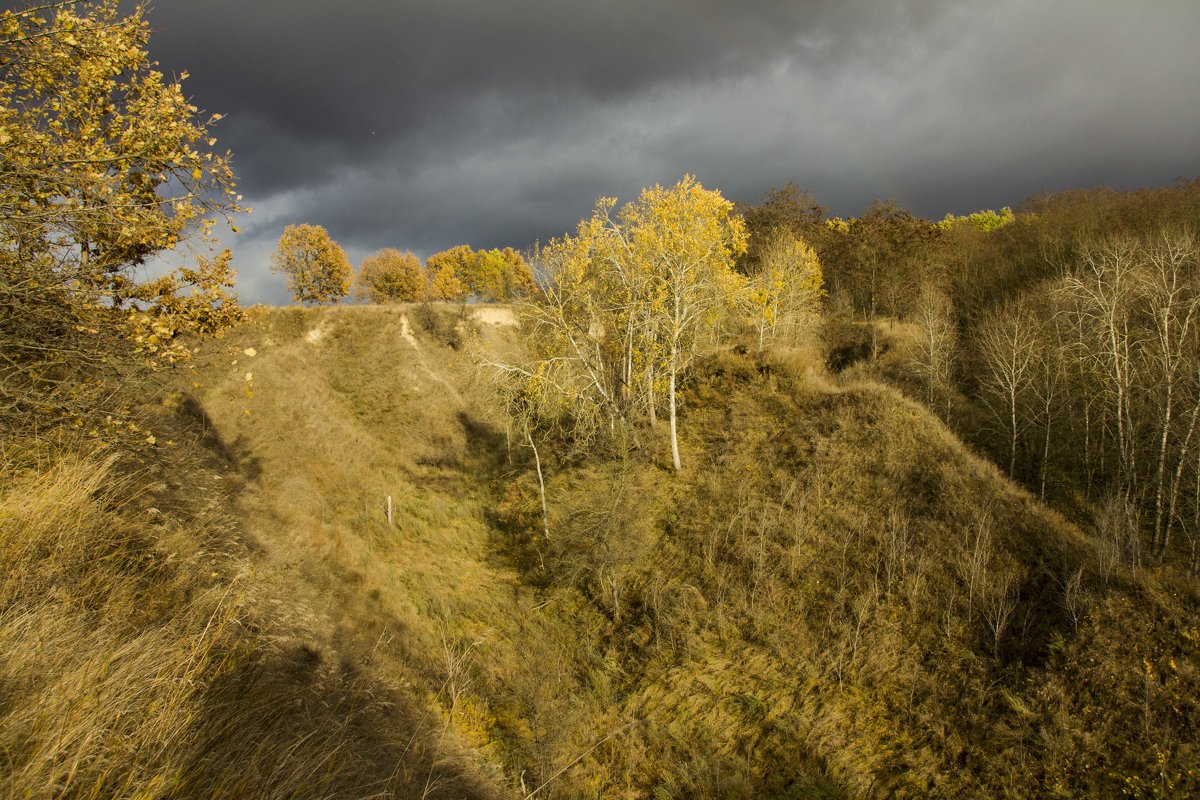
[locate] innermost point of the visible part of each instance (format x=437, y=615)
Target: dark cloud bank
x=424, y=125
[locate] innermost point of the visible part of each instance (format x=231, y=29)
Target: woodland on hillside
x=1061, y=339
x=1058, y=340
x=750, y=502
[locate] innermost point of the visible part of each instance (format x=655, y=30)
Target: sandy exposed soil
x=495, y=315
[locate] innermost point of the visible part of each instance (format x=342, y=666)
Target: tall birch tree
x=688, y=238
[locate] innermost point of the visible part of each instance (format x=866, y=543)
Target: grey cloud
x=353, y=77
x=422, y=125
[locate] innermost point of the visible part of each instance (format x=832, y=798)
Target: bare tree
x=938, y=344
x=1172, y=304
x=1105, y=287
x=1050, y=368
x=999, y=603
x=1007, y=342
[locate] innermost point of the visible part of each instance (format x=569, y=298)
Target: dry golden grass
x=368, y=407
x=808, y=611
x=108, y=644
x=837, y=598
x=154, y=643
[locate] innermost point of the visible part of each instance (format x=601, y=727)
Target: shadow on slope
x=141, y=658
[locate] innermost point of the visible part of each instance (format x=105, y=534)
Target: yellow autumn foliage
x=389, y=276
x=316, y=267
x=105, y=164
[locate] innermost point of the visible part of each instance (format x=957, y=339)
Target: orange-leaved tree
x=389, y=276
x=316, y=267
x=449, y=271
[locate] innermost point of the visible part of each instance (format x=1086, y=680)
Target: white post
x=389, y=510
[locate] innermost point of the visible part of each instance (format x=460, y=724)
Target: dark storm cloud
x=422, y=125
x=357, y=76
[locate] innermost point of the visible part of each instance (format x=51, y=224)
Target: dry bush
x=451, y=325
x=603, y=531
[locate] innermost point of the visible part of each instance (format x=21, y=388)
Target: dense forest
x=698, y=499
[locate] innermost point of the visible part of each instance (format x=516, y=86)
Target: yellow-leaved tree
x=687, y=237
x=389, y=276
x=785, y=289
x=197, y=300
x=104, y=164
x=486, y=275
x=518, y=277
x=316, y=267
x=447, y=273
x=627, y=301
x=499, y=275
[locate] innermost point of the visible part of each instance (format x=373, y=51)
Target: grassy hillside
x=192, y=618
x=343, y=409
x=835, y=599
x=857, y=582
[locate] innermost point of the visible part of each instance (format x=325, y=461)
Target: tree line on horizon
x=318, y=271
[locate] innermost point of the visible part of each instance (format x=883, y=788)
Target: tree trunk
x=932, y=369
x=650, y=402
x=1012, y=446
x=1088, y=461
x=674, y=437
x=874, y=333
x=1046, y=447
x=1177, y=480
x=1160, y=476
x=537, y=460
x=1195, y=565
x=629, y=355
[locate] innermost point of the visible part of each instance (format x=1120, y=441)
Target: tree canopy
x=627, y=301
x=449, y=271
x=316, y=267
x=784, y=291
x=389, y=276
x=488, y=275
x=789, y=209
x=104, y=163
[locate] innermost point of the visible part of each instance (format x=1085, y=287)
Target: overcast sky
x=421, y=125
